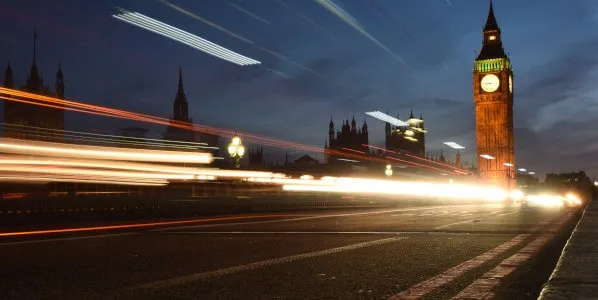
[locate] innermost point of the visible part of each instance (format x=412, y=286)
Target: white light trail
x=183, y=37
x=454, y=145
x=486, y=156
x=522, y=170
x=507, y=164
x=392, y=187
x=386, y=118
x=47, y=179
x=16, y=146
x=531, y=173
x=349, y=160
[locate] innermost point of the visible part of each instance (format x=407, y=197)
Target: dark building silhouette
x=349, y=138
x=180, y=116
x=28, y=121
x=409, y=138
x=256, y=158
x=493, y=99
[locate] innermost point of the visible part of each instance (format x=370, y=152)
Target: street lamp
x=388, y=170
x=236, y=150
x=509, y=175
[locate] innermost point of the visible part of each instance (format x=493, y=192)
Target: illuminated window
x=492, y=37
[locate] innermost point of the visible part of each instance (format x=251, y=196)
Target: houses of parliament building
x=28, y=121
x=354, y=138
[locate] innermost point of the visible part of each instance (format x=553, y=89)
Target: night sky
x=387, y=55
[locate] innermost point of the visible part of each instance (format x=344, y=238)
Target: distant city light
x=596, y=183
x=522, y=170
x=486, y=156
x=508, y=164
x=349, y=160
x=386, y=118
x=183, y=37
x=531, y=173
x=454, y=145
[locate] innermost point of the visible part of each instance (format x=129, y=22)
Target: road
x=431, y=252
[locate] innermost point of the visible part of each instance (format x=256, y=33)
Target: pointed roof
x=34, y=44
x=492, y=48
x=491, y=23
x=8, y=69
x=181, y=90
x=331, y=124
x=34, y=81
x=411, y=114
x=59, y=72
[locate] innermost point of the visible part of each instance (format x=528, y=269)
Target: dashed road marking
x=87, y=237
x=261, y=264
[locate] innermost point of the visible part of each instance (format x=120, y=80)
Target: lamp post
x=388, y=170
x=236, y=150
x=509, y=175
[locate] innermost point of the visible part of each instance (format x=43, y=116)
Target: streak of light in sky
x=380, y=10
x=197, y=17
x=351, y=21
x=237, y=7
x=305, y=18
x=183, y=37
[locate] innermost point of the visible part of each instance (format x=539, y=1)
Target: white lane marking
x=425, y=287
x=471, y=220
x=313, y=218
x=261, y=264
x=86, y=237
x=484, y=288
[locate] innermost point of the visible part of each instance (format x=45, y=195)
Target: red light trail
x=116, y=113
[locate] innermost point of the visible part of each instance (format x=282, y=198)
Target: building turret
x=331, y=132
x=8, y=77
x=59, y=83
x=34, y=80
x=180, y=105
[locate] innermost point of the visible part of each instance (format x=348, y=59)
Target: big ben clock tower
x=493, y=98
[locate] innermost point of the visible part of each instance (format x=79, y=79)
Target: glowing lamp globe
x=236, y=141
x=232, y=150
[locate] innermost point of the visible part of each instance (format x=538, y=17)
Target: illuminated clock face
x=510, y=84
x=490, y=83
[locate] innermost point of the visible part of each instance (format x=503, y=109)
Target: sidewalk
x=576, y=274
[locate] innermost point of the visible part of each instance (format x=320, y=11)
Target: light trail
x=392, y=187
x=96, y=152
x=239, y=8
x=239, y=37
x=46, y=179
x=338, y=11
x=103, y=111
x=103, y=138
x=184, y=37
x=386, y=118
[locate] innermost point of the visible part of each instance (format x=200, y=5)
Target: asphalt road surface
x=444, y=251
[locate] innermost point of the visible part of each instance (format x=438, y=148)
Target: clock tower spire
x=493, y=99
